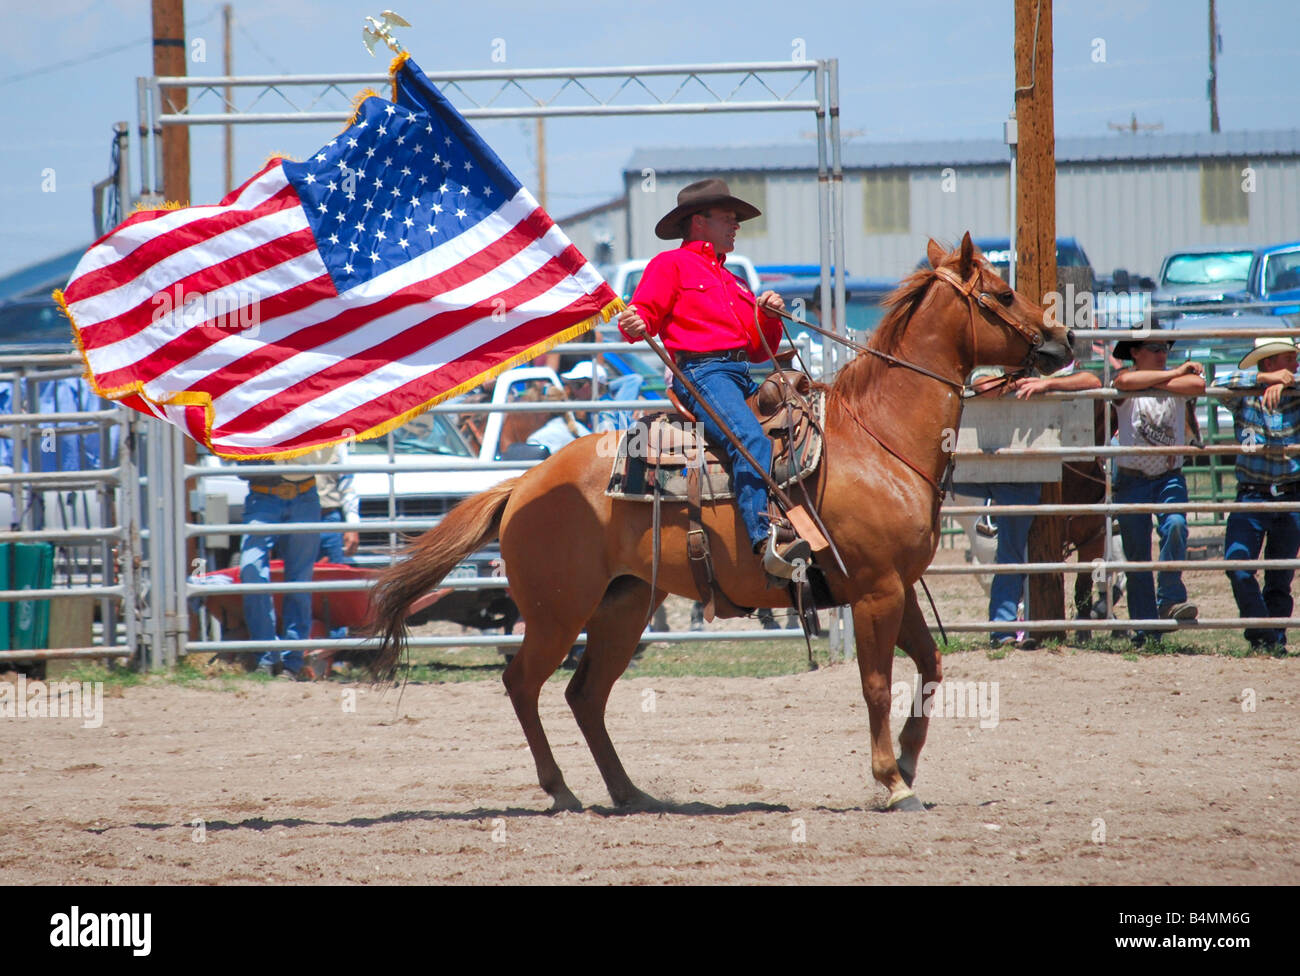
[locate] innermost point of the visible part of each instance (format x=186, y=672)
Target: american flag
x=400, y=265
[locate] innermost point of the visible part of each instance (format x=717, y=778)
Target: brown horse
x=577, y=557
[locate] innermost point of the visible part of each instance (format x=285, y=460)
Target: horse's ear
x=935, y=253
x=967, y=256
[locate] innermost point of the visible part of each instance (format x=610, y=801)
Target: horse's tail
x=467, y=527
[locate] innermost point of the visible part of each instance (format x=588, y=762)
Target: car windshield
x=429, y=433
x=1282, y=271
x=1213, y=268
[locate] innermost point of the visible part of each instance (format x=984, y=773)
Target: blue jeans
x=725, y=385
x=1007, y=589
x=1279, y=534
x=299, y=553
x=1145, y=598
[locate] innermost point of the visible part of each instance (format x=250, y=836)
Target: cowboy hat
x=700, y=196
x=1265, y=347
x=1124, y=348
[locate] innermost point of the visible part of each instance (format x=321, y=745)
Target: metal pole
x=129, y=519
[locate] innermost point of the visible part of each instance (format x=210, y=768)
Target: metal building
x=1129, y=199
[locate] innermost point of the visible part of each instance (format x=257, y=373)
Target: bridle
x=990, y=304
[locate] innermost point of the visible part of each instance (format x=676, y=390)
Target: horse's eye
x=1007, y=297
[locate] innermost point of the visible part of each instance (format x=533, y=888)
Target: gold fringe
x=277, y=157
x=187, y=398
x=142, y=207
x=357, y=101
x=396, y=65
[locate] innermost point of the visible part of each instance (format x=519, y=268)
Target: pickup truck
x=1274, y=276
x=1207, y=275
x=462, y=441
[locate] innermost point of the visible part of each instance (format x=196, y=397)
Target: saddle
x=667, y=457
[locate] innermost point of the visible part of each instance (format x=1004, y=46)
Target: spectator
x=586, y=381
x=560, y=429
x=274, y=500
x=1264, y=421
x=1154, y=421
x=1006, y=591
x=338, y=503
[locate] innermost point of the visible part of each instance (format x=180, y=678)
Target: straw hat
x=1265, y=347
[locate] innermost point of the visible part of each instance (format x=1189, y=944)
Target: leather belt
x=286, y=490
x=1290, y=488
x=728, y=355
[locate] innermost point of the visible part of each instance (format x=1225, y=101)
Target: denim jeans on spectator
x=725, y=385
x=299, y=553
x=1007, y=589
x=1279, y=535
x=1147, y=597
x=331, y=549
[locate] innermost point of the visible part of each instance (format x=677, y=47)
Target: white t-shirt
x=1149, y=421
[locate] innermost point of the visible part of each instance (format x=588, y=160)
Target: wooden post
x=1036, y=251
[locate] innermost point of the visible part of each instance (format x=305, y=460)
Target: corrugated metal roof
x=971, y=152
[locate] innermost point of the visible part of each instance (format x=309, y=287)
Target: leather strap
x=697, y=544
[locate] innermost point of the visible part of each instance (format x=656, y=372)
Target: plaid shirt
x=1262, y=431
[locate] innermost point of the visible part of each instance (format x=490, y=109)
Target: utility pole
x=1036, y=250
x=169, y=60
x=228, y=69
x=1212, y=87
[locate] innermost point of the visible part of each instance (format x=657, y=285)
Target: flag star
x=320, y=157
x=324, y=208
x=370, y=152
x=428, y=128
x=423, y=179
x=381, y=130
x=309, y=179
x=332, y=142
x=406, y=171
x=378, y=183
x=403, y=244
x=415, y=201
x=487, y=191
x=380, y=235
x=432, y=229
x=401, y=140
x=461, y=214
x=437, y=158
x=418, y=149
x=443, y=188
x=446, y=166
x=351, y=196
x=367, y=203
x=347, y=268
x=391, y=108
x=446, y=140
x=464, y=191
x=408, y=222
x=362, y=124
x=468, y=166
x=388, y=160
x=361, y=228
x=373, y=257
x=331, y=186
x=352, y=144
x=334, y=238
x=396, y=191
x=437, y=208
x=340, y=216
x=387, y=215
x=352, y=246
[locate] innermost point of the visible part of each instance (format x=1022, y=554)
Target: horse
x=577, y=557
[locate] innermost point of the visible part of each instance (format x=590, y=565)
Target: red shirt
x=696, y=305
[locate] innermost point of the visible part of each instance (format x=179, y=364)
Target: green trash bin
x=6, y=554
x=33, y=569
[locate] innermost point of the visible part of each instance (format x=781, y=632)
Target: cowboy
x=708, y=320
x=1154, y=421
x=1265, y=420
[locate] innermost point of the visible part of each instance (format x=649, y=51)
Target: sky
x=908, y=71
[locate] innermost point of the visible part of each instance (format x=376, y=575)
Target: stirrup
x=792, y=563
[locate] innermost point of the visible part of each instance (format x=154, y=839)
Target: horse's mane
x=860, y=373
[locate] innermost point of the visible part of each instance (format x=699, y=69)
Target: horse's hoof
x=641, y=802
x=907, y=803
x=566, y=802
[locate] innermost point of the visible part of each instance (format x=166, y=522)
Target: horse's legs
x=613, y=633
x=914, y=637
x=876, y=622
x=546, y=641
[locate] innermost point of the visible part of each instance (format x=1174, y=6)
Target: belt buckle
x=285, y=492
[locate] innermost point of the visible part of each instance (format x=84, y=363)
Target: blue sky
x=908, y=71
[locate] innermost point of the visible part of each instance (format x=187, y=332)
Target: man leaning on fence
x=1264, y=421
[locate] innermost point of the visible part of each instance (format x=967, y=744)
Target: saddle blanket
x=663, y=448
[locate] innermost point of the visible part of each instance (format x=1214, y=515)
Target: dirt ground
x=1095, y=770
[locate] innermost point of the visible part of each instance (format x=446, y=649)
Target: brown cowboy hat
x=700, y=196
